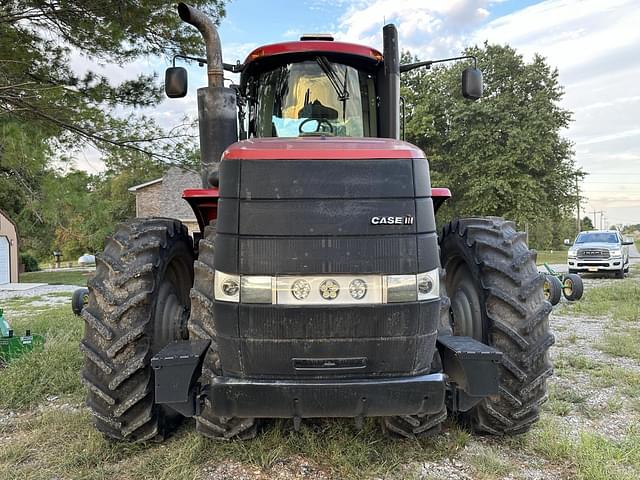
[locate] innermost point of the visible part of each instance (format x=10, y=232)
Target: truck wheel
x=572, y=287
x=411, y=426
x=138, y=303
x=552, y=288
x=620, y=273
x=79, y=300
x=202, y=326
x=496, y=298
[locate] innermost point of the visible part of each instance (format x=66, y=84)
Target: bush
x=29, y=262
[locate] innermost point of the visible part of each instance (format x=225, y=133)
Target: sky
x=595, y=45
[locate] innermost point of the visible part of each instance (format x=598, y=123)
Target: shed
x=9, y=259
x=162, y=197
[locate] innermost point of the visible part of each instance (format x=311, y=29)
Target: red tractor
x=317, y=287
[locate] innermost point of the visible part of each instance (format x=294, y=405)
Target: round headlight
x=230, y=287
x=329, y=289
x=425, y=285
x=358, y=289
x=300, y=289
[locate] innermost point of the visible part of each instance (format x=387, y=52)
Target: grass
x=551, y=256
x=589, y=455
x=30, y=379
x=65, y=277
x=620, y=299
x=332, y=446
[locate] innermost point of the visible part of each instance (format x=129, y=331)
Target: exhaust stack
x=217, y=110
x=390, y=94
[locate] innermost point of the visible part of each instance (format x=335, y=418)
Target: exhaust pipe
x=217, y=109
x=209, y=33
x=390, y=105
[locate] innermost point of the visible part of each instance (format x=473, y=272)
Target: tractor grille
x=593, y=253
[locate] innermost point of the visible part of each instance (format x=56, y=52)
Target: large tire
x=138, y=303
x=496, y=298
x=552, y=288
x=425, y=425
x=202, y=326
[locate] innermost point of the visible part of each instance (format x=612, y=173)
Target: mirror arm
x=412, y=66
x=234, y=68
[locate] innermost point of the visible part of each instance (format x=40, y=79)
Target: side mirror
x=175, y=82
x=627, y=241
x=471, y=83
x=567, y=242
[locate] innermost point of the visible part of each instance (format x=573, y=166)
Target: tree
x=48, y=111
x=39, y=89
x=586, y=224
x=503, y=154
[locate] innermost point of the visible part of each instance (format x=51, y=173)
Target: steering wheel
x=321, y=121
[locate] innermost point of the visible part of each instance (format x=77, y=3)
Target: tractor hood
x=322, y=148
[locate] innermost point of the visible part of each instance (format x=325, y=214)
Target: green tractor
x=12, y=346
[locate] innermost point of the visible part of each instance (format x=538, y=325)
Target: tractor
x=319, y=285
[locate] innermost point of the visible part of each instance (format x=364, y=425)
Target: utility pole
x=578, y=206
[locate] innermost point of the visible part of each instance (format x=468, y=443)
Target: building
x=9, y=259
x=162, y=197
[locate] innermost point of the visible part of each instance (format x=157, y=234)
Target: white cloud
x=594, y=45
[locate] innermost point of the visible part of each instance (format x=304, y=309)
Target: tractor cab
x=311, y=87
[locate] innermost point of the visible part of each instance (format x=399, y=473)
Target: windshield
x=315, y=97
x=597, y=237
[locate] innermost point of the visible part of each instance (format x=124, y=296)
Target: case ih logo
x=406, y=220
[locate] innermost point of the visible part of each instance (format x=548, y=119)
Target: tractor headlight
x=326, y=290
x=358, y=289
x=256, y=289
x=615, y=253
x=226, y=287
x=401, y=288
x=300, y=289
x=428, y=285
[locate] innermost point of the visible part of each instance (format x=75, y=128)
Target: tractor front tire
x=138, y=303
x=429, y=424
x=497, y=298
x=202, y=326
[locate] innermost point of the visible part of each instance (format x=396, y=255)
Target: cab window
x=315, y=97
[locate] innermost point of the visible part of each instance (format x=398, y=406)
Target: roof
x=135, y=188
x=319, y=46
x=321, y=148
x=6, y=215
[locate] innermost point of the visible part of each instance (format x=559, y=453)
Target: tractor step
x=472, y=368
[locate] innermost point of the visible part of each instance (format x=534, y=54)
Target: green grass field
x=64, y=277
x=551, y=256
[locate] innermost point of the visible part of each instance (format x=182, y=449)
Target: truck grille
x=593, y=253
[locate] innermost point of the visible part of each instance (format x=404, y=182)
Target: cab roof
x=314, y=46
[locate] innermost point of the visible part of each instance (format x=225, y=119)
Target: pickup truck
x=598, y=251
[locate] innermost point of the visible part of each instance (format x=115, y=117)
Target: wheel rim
x=547, y=289
x=172, y=304
x=567, y=287
x=466, y=309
